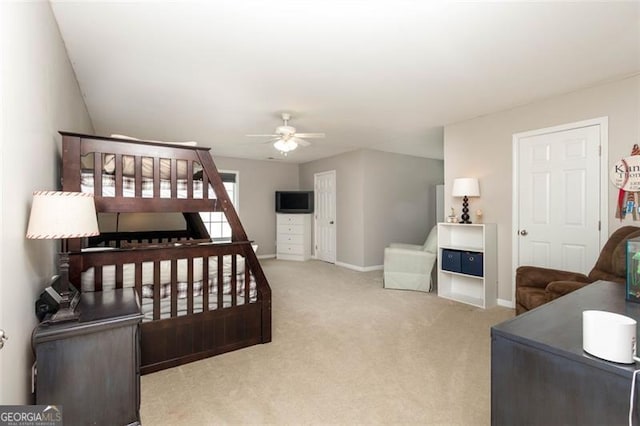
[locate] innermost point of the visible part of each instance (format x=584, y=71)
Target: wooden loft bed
x=199, y=298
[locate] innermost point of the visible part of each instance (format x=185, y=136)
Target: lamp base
x=58, y=302
x=67, y=310
x=465, y=210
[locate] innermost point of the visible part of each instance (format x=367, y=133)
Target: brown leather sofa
x=536, y=286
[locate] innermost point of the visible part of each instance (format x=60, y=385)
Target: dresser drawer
x=293, y=236
x=290, y=239
x=290, y=219
x=290, y=229
x=290, y=249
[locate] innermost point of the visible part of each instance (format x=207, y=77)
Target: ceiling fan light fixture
x=286, y=137
x=285, y=146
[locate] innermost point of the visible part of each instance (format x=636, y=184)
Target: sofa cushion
x=531, y=297
x=531, y=281
x=556, y=289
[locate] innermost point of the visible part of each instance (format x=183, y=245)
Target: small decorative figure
x=479, y=216
x=452, y=217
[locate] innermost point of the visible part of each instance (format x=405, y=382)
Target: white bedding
x=165, y=306
x=129, y=187
x=129, y=270
x=181, y=286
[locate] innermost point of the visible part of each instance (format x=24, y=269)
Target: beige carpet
x=344, y=351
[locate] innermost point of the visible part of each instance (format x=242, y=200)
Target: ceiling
x=385, y=75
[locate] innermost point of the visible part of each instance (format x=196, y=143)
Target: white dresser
x=294, y=236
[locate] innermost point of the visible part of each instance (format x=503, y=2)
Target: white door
x=325, y=216
x=559, y=185
x=4, y=295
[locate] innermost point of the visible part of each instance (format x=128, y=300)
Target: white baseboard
x=360, y=268
x=501, y=302
x=506, y=303
x=341, y=264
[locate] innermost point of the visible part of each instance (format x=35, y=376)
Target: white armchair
x=409, y=266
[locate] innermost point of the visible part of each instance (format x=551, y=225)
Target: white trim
x=236, y=201
x=603, y=123
x=360, y=268
x=293, y=257
x=267, y=256
x=506, y=303
x=341, y=264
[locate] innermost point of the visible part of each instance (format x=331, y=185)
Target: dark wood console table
x=92, y=366
x=541, y=376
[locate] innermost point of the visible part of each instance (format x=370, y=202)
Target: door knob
x=330, y=222
x=524, y=233
x=3, y=338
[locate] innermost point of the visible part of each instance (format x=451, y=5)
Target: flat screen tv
x=294, y=201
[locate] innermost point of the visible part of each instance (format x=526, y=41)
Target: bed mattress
x=129, y=270
x=129, y=187
x=182, y=286
x=165, y=306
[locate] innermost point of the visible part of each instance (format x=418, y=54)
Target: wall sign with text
x=625, y=173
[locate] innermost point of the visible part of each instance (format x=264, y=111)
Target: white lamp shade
x=468, y=187
x=61, y=215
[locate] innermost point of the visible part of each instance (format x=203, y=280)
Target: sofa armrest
x=534, y=276
x=556, y=289
x=408, y=261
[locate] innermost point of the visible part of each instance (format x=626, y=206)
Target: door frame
x=315, y=222
x=603, y=123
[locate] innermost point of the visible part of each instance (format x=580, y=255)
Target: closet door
x=325, y=216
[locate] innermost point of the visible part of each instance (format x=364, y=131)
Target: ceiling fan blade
x=271, y=140
x=301, y=142
x=262, y=136
x=310, y=135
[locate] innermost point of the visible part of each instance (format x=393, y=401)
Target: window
x=215, y=222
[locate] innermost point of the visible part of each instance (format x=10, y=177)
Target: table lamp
x=57, y=215
x=465, y=187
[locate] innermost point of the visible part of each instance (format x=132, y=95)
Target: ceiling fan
x=285, y=137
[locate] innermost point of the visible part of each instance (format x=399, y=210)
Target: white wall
x=39, y=96
x=380, y=198
x=349, y=220
x=399, y=201
x=482, y=148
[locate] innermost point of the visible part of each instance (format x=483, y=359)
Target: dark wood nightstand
x=540, y=375
x=92, y=366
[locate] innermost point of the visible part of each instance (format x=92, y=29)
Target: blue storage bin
x=471, y=263
x=451, y=260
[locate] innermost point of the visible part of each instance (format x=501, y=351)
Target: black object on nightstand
x=92, y=366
